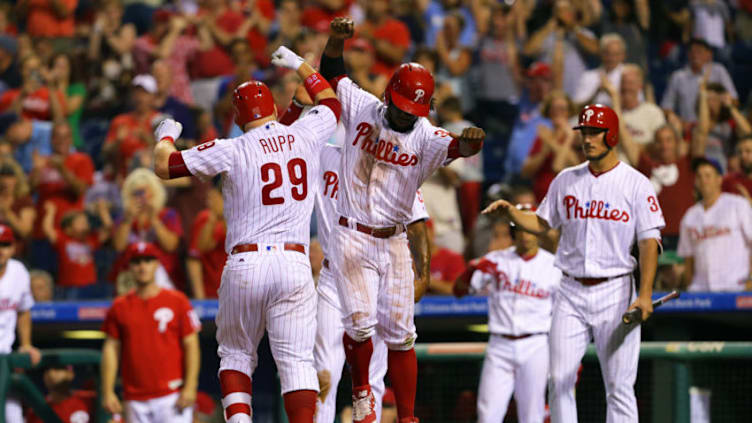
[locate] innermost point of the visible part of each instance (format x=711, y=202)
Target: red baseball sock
x=236, y=393
x=403, y=372
x=358, y=355
x=300, y=406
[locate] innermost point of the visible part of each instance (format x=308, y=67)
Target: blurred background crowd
x=83, y=82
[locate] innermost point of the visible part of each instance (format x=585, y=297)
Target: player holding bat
x=601, y=208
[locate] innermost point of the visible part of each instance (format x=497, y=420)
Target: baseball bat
x=635, y=316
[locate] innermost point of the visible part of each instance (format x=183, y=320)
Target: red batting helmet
x=411, y=89
x=602, y=117
x=252, y=100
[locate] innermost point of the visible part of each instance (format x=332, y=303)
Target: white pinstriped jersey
x=600, y=218
x=268, y=177
x=720, y=240
x=520, y=290
x=382, y=169
x=15, y=297
x=326, y=196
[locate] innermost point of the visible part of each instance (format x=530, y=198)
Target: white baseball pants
x=270, y=290
x=13, y=411
x=519, y=366
x=157, y=410
x=581, y=312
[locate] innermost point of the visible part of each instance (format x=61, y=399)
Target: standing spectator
x=75, y=244
x=287, y=26
x=66, y=80
x=70, y=405
x=389, y=37
x=29, y=138
x=37, y=98
x=42, y=286
x=589, y=90
x=359, y=57
x=669, y=168
x=683, y=86
x=131, y=132
x=10, y=74
x=319, y=13
x=48, y=18
x=159, y=382
x=166, y=41
x=630, y=19
x=146, y=219
x=525, y=129
x=15, y=293
x=719, y=123
x=446, y=265
x=440, y=195
x=710, y=19
x=170, y=105
x=641, y=118
x=454, y=59
x=16, y=206
x=716, y=236
x=576, y=40
x=206, y=254
x=221, y=24
x=434, y=12
x=741, y=182
x=554, y=148
x=471, y=173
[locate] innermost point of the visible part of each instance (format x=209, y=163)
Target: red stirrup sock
x=300, y=406
x=358, y=355
x=236, y=395
x=403, y=372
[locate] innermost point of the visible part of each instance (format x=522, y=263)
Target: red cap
x=252, y=100
x=538, y=69
x=410, y=89
x=142, y=249
x=204, y=403
x=389, y=399
x=161, y=16
x=6, y=234
x=359, y=44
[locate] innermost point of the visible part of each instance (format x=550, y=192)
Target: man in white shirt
x=641, y=118
x=613, y=52
x=716, y=235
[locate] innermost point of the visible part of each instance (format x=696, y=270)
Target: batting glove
x=168, y=128
x=286, y=58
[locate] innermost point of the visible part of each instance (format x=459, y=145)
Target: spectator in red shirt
x=446, y=265
x=670, y=171
x=359, y=57
x=152, y=337
x=389, y=37
x=741, y=182
x=554, y=149
x=16, y=206
x=33, y=99
x=146, y=219
x=206, y=255
x=131, y=132
x=75, y=244
x=70, y=405
x=320, y=13
x=48, y=18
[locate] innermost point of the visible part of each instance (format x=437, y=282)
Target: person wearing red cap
x=390, y=149
x=359, y=57
x=71, y=406
x=389, y=37
x=152, y=336
x=15, y=305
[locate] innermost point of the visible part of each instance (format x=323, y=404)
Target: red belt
x=244, y=248
x=374, y=232
x=326, y=263
x=590, y=281
x=523, y=336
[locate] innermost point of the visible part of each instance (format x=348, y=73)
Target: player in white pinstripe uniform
x=390, y=149
x=601, y=207
x=521, y=283
x=329, y=356
x=268, y=178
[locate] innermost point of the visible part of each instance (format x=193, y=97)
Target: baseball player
x=601, y=207
x=390, y=149
x=521, y=283
x=268, y=185
x=152, y=335
x=15, y=314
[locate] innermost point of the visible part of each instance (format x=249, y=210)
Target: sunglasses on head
x=139, y=260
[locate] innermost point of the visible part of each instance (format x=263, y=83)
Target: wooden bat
x=635, y=316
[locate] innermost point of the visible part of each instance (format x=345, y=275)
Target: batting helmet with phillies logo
x=603, y=117
x=252, y=100
x=411, y=89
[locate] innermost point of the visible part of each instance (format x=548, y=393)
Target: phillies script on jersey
x=594, y=209
x=380, y=149
x=502, y=282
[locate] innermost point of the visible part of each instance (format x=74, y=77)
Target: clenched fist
x=168, y=128
x=286, y=58
x=471, y=141
x=342, y=28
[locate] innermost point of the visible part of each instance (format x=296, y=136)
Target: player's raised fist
x=342, y=28
x=168, y=128
x=286, y=58
x=498, y=205
x=471, y=141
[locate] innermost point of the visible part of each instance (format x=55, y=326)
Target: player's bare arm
x=108, y=373
x=340, y=29
x=23, y=327
x=417, y=237
x=529, y=221
x=192, y=363
x=648, y=265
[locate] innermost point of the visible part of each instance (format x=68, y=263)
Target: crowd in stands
x=84, y=82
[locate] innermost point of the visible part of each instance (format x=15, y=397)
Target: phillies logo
x=589, y=114
x=331, y=179
x=708, y=232
x=164, y=316
x=503, y=283
x=593, y=209
x=419, y=94
x=382, y=150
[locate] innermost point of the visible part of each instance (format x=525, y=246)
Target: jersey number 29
x=271, y=174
